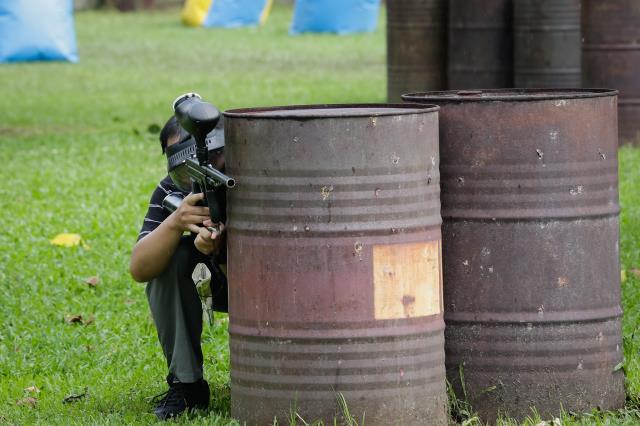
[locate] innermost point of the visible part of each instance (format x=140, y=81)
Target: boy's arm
x=152, y=253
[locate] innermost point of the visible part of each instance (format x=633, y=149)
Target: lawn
x=80, y=154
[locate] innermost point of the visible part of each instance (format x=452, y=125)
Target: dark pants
x=177, y=311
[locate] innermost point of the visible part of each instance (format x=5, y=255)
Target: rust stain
x=408, y=303
x=395, y=159
x=326, y=192
x=563, y=282
x=408, y=300
x=576, y=190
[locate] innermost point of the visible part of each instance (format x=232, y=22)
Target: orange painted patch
x=407, y=280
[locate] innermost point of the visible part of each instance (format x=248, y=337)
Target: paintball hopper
x=195, y=117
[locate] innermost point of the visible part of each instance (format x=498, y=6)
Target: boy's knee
x=180, y=266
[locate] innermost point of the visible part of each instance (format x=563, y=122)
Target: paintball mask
x=186, y=148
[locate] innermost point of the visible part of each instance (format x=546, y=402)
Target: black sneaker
x=181, y=397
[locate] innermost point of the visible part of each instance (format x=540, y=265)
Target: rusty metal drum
x=480, y=44
x=416, y=46
x=547, y=43
x=611, y=57
x=334, y=264
x=531, y=248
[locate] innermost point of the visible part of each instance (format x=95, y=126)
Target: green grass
x=77, y=156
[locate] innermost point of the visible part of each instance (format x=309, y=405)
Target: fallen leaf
x=92, y=281
x=75, y=397
x=90, y=320
x=32, y=389
x=28, y=400
x=74, y=319
x=66, y=240
x=635, y=272
x=623, y=276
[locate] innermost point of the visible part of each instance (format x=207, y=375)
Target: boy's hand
x=209, y=238
x=188, y=216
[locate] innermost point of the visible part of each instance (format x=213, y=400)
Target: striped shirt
x=156, y=214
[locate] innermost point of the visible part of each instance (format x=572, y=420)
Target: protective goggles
x=178, y=153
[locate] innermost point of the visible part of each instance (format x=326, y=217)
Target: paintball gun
x=188, y=160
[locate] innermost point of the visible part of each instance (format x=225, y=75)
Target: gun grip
x=214, y=208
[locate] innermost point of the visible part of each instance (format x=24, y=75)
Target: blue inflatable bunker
x=335, y=16
x=37, y=30
x=237, y=13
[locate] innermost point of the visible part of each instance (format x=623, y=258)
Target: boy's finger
x=204, y=211
x=193, y=228
x=192, y=198
x=195, y=219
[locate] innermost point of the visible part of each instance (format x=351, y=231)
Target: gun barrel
x=199, y=172
x=220, y=177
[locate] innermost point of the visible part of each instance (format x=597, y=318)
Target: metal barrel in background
x=531, y=248
x=480, y=44
x=416, y=46
x=547, y=43
x=611, y=57
x=334, y=264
